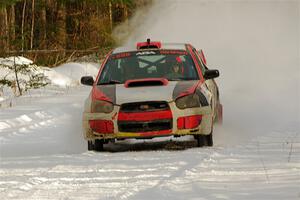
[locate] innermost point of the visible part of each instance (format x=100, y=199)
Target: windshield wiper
x=110, y=82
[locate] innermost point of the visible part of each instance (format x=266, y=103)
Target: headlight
x=102, y=106
x=189, y=101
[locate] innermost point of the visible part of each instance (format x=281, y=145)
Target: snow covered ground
x=256, y=47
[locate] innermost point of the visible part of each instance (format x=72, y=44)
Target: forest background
x=50, y=32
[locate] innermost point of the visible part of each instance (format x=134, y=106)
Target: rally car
x=151, y=90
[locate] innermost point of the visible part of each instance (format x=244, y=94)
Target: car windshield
x=170, y=64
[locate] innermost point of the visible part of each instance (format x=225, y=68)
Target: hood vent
x=146, y=82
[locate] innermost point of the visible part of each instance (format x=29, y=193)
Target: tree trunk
x=11, y=27
x=125, y=13
x=61, y=25
x=22, y=25
x=3, y=29
x=43, y=27
x=32, y=24
x=110, y=15
x=17, y=78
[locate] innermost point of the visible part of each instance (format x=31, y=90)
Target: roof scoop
x=146, y=82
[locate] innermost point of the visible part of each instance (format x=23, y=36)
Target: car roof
x=165, y=46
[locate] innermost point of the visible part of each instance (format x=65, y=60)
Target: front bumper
x=203, y=128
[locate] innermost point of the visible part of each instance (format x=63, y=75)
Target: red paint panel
x=189, y=122
x=192, y=121
x=146, y=44
x=102, y=126
x=180, y=123
x=145, y=116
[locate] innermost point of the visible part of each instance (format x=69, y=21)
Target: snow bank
x=11, y=61
x=64, y=76
x=69, y=74
x=19, y=60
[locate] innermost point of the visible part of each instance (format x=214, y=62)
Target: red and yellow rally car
x=151, y=90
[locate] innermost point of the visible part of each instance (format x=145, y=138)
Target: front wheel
x=201, y=140
x=204, y=140
x=97, y=145
x=209, y=140
x=90, y=146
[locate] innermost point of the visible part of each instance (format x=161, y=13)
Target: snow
x=77, y=70
x=69, y=74
x=61, y=77
x=19, y=60
x=257, y=150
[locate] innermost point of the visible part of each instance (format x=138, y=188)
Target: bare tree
x=11, y=25
x=3, y=28
x=110, y=15
x=23, y=23
x=61, y=24
x=32, y=24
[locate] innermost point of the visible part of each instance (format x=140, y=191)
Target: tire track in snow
x=211, y=173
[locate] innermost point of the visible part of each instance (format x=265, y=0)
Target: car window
x=173, y=65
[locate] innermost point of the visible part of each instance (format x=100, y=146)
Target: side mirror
x=87, y=80
x=210, y=74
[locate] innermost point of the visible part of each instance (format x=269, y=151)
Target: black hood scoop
x=146, y=82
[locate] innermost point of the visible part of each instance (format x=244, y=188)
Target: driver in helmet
x=176, y=69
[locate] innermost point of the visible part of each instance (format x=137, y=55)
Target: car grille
x=159, y=125
x=145, y=106
x=142, y=125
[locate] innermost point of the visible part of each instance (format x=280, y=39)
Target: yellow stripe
x=127, y=134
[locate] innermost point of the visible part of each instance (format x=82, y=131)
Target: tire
x=98, y=145
x=209, y=140
x=90, y=146
x=201, y=140
x=204, y=140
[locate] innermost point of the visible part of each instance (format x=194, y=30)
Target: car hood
x=119, y=93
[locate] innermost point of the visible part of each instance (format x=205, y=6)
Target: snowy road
x=256, y=47
x=43, y=156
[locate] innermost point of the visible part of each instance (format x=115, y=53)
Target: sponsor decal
x=177, y=52
x=121, y=55
x=142, y=53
